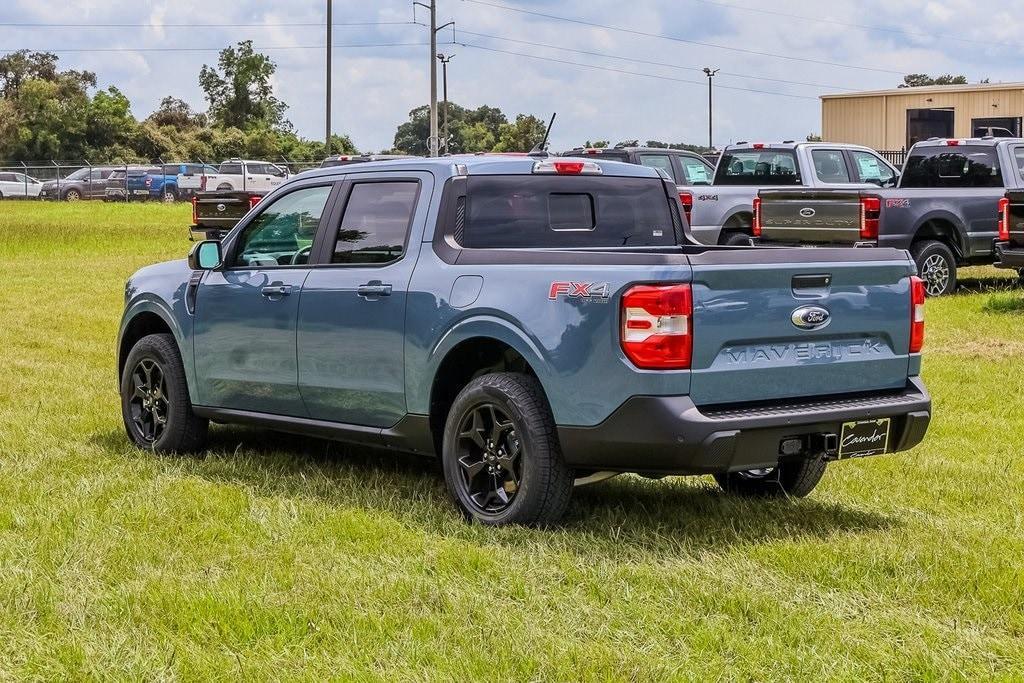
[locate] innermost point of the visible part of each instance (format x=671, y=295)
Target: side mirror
x=205, y=256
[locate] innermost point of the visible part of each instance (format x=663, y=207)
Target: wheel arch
x=944, y=228
x=739, y=220
x=148, y=316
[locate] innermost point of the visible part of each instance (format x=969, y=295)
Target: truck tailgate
x=810, y=216
x=783, y=323
x=1016, y=225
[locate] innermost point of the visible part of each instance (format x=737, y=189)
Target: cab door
x=246, y=312
x=351, y=331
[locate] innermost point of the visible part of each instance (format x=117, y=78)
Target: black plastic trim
x=1007, y=257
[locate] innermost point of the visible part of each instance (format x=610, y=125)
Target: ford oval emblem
x=807, y=212
x=221, y=207
x=811, y=317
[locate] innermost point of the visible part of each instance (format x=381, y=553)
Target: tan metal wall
x=880, y=121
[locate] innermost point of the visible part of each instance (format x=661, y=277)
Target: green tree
x=109, y=122
x=469, y=130
x=18, y=67
x=239, y=90
x=177, y=114
x=520, y=135
x=918, y=80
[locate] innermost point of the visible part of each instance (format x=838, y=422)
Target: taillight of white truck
x=657, y=326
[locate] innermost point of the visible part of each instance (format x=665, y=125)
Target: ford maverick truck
x=535, y=322
x=945, y=209
x=724, y=212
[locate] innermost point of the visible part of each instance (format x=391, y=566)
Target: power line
x=835, y=22
x=646, y=34
x=218, y=49
x=318, y=24
x=651, y=63
x=631, y=73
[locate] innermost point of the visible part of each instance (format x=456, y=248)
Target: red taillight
x=755, y=229
x=916, y=314
x=687, y=199
x=254, y=199
x=758, y=145
x=657, y=328
x=202, y=183
x=195, y=211
x=1004, y=219
x=569, y=167
x=870, y=210
x=952, y=143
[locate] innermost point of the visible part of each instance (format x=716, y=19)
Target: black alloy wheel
x=148, y=404
x=490, y=458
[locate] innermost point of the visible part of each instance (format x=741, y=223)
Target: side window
x=376, y=223
x=7, y=178
x=97, y=174
x=282, y=235
x=231, y=169
x=275, y=171
x=662, y=161
x=830, y=166
x=695, y=171
x=1018, y=155
x=255, y=169
x=871, y=169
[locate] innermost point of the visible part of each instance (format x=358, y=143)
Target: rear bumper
x=1009, y=256
x=670, y=435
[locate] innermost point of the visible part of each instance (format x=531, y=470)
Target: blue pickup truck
x=162, y=183
x=537, y=323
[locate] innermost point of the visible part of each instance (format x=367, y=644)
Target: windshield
x=566, y=211
x=757, y=167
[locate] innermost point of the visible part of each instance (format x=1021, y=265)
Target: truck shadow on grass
x=627, y=515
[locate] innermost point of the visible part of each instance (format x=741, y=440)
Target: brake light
x=195, y=211
x=952, y=143
x=755, y=228
x=202, y=182
x=687, y=199
x=758, y=145
x=657, y=329
x=567, y=167
x=916, y=314
x=254, y=199
x=1004, y=219
x=870, y=210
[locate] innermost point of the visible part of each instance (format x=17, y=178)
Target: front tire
x=936, y=265
x=155, y=405
x=169, y=196
x=501, y=457
x=72, y=196
x=794, y=478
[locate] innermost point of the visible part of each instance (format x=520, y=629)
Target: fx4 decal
x=593, y=291
x=897, y=203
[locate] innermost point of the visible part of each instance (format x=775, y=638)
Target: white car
x=191, y=181
x=239, y=174
x=18, y=185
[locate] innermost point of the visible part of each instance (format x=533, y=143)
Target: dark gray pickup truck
x=1010, y=247
x=944, y=209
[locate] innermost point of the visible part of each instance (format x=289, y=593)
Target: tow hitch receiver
x=811, y=444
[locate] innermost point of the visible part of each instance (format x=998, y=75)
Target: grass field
x=273, y=557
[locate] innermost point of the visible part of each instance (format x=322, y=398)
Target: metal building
x=895, y=119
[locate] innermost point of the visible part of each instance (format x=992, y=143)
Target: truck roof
x=791, y=144
x=586, y=151
x=482, y=164
x=987, y=141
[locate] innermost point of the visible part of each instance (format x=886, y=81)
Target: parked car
x=687, y=169
x=944, y=209
x=190, y=180
x=346, y=159
x=18, y=185
x=127, y=181
x=215, y=213
x=237, y=174
x=1010, y=247
x=536, y=323
x=85, y=183
x=724, y=212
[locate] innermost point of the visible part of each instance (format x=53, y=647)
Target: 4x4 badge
x=811, y=317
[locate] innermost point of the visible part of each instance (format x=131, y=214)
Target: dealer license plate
x=866, y=437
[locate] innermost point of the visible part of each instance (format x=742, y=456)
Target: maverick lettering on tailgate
x=769, y=353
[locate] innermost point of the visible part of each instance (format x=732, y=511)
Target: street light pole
x=444, y=88
x=710, y=74
x=330, y=27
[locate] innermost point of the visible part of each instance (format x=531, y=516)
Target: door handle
x=374, y=288
x=271, y=291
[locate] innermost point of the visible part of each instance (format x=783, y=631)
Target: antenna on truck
x=541, y=148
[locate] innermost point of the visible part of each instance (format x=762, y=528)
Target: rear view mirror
x=205, y=256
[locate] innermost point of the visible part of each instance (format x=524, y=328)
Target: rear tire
x=936, y=265
x=169, y=196
x=794, y=478
x=155, y=406
x=224, y=187
x=501, y=457
x=735, y=239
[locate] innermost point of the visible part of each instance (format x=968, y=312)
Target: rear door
x=767, y=328
x=351, y=328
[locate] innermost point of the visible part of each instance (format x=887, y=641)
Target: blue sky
x=375, y=87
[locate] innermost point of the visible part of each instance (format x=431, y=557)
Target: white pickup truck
x=240, y=174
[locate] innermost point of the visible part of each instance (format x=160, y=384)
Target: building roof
x=928, y=89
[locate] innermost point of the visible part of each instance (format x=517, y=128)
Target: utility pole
x=433, y=78
x=444, y=89
x=710, y=74
x=330, y=27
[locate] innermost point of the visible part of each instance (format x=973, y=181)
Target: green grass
x=274, y=557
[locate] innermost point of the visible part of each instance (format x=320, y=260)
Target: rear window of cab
x=952, y=166
x=758, y=167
